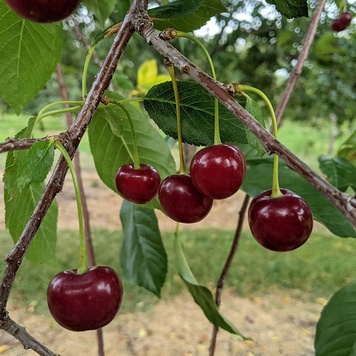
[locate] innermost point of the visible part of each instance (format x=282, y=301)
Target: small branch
x=303, y=55
x=345, y=203
x=230, y=257
x=14, y=144
x=21, y=334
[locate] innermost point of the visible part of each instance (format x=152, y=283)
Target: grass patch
x=317, y=269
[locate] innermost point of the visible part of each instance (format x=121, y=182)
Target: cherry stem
x=136, y=157
x=182, y=169
x=83, y=264
x=42, y=113
x=86, y=67
x=217, y=139
x=276, y=192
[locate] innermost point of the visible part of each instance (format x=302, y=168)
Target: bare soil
x=277, y=323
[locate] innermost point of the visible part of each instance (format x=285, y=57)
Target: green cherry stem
x=136, y=157
x=86, y=67
x=182, y=169
x=276, y=192
x=42, y=113
x=83, y=264
x=217, y=139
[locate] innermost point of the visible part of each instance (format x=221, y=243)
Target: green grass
x=317, y=269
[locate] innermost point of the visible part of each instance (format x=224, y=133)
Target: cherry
x=218, y=171
x=342, y=22
x=44, y=11
x=137, y=185
x=181, y=201
x=87, y=301
x=280, y=224
x=345, y=18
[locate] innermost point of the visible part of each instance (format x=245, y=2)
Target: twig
x=303, y=55
x=13, y=144
x=86, y=216
x=230, y=257
x=345, y=203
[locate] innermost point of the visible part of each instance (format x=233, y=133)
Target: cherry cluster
x=342, y=22
x=216, y=172
x=280, y=223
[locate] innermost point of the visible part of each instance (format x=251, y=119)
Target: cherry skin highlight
x=43, y=11
x=218, y=171
x=87, y=301
x=280, y=224
x=137, y=185
x=181, y=201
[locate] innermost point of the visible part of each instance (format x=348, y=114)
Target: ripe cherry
x=43, y=11
x=137, y=185
x=342, y=22
x=280, y=224
x=181, y=201
x=87, y=301
x=218, y=171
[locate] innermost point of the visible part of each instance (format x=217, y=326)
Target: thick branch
x=343, y=202
x=71, y=142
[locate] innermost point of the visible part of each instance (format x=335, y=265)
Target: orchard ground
x=280, y=322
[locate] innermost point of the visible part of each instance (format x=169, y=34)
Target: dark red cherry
x=342, y=22
x=218, y=171
x=43, y=11
x=181, y=201
x=345, y=18
x=137, y=185
x=280, y=224
x=87, y=301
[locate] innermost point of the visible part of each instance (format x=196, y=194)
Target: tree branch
x=71, y=140
x=13, y=144
x=342, y=201
x=21, y=334
x=303, y=55
x=227, y=265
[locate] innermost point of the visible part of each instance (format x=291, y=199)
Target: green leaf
x=143, y=257
x=185, y=15
x=23, y=188
x=254, y=109
x=259, y=178
x=110, y=141
x=29, y=53
x=336, y=328
x=326, y=47
x=202, y=295
x=101, y=9
x=35, y=164
x=197, y=113
x=18, y=210
x=291, y=8
x=340, y=172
